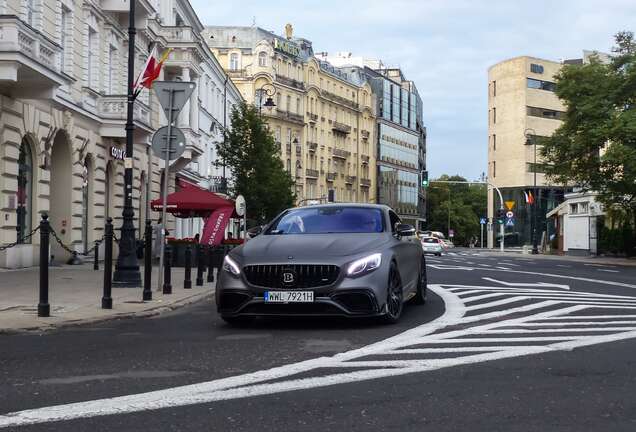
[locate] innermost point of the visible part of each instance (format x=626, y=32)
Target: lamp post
x=530, y=135
x=127, y=269
x=269, y=90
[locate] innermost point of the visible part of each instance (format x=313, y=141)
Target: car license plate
x=288, y=296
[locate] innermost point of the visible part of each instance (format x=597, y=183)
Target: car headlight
x=230, y=266
x=364, y=265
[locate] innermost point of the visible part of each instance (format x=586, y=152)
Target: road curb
x=147, y=313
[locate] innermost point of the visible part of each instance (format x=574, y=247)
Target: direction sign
x=510, y=205
x=451, y=233
x=510, y=222
x=482, y=221
x=510, y=215
x=240, y=205
x=160, y=142
x=180, y=92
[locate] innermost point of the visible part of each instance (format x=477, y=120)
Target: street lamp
x=127, y=269
x=530, y=135
x=269, y=90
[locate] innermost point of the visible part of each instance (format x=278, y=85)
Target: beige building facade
x=323, y=119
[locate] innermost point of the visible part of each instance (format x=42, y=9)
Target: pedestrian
x=196, y=238
x=158, y=237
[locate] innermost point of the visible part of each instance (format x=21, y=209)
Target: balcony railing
x=340, y=153
x=311, y=173
x=350, y=179
x=179, y=34
x=365, y=182
x=312, y=117
x=312, y=146
x=365, y=134
x=285, y=115
x=341, y=127
x=331, y=176
x=339, y=99
x=114, y=108
x=290, y=82
x=365, y=159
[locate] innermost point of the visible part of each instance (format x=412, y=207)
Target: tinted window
x=430, y=240
x=332, y=219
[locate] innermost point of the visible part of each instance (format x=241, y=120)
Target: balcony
x=299, y=150
x=179, y=35
x=339, y=99
x=143, y=8
x=341, y=127
x=365, y=182
x=311, y=173
x=331, y=176
x=340, y=153
x=365, y=134
x=113, y=109
x=286, y=116
x=365, y=159
x=290, y=82
x=312, y=146
x=350, y=179
x=313, y=118
x=29, y=61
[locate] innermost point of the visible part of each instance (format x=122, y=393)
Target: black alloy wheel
x=395, y=297
x=422, y=283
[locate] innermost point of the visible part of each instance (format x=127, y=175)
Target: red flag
x=529, y=197
x=150, y=71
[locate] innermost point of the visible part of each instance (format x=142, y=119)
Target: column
x=184, y=116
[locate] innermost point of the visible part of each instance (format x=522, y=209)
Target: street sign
x=180, y=91
x=482, y=221
x=510, y=222
x=510, y=215
x=510, y=205
x=240, y=205
x=451, y=233
x=160, y=142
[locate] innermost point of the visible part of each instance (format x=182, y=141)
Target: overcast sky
x=445, y=46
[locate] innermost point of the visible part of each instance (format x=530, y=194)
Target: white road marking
x=564, y=266
x=536, y=284
x=470, y=329
x=502, y=268
x=608, y=271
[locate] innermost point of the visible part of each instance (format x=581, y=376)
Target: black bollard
x=107, y=301
x=200, y=265
x=147, y=295
x=44, y=309
x=210, y=264
x=167, y=267
x=96, y=259
x=187, y=281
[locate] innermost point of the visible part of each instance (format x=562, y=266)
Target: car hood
x=311, y=246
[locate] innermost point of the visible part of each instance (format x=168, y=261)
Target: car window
x=394, y=219
x=326, y=220
x=430, y=240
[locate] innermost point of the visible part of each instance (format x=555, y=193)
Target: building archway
x=61, y=187
x=109, y=191
x=88, y=176
x=24, y=210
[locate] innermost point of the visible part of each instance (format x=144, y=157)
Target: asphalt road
x=506, y=344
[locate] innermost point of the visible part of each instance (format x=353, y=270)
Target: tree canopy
x=595, y=147
x=467, y=204
x=253, y=157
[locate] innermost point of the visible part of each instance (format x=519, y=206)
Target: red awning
x=192, y=202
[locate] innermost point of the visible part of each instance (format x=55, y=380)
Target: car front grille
x=305, y=275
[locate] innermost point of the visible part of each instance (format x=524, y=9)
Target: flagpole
x=127, y=268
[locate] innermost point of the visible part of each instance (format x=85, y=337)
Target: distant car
x=354, y=260
x=432, y=245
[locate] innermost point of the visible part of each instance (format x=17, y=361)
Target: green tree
x=467, y=204
x=595, y=147
x=253, y=157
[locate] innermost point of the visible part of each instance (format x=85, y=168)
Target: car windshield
x=430, y=240
x=326, y=220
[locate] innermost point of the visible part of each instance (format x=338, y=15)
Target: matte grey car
x=354, y=260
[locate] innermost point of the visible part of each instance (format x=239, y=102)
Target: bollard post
x=200, y=265
x=147, y=294
x=107, y=301
x=96, y=259
x=44, y=309
x=210, y=264
x=167, y=263
x=187, y=281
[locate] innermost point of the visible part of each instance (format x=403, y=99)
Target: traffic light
x=500, y=216
x=424, y=179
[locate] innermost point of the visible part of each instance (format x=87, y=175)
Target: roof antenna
x=254, y=21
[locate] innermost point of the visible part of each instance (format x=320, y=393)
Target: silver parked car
x=432, y=245
x=354, y=260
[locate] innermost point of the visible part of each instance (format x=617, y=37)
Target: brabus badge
x=288, y=278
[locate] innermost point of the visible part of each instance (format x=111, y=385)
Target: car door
x=407, y=255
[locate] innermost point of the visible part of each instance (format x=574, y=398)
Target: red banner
x=214, y=228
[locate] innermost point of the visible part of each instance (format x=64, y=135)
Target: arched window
x=262, y=59
x=25, y=192
x=234, y=61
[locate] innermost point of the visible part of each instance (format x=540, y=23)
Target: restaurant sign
x=118, y=153
x=287, y=47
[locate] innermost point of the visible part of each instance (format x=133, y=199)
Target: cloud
x=445, y=46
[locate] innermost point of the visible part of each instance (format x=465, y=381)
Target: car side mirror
x=405, y=230
x=254, y=231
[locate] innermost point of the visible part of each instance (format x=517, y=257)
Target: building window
x=545, y=113
x=234, y=61
x=262, y=59
x=25, y=191
x=494, y=115
x=574, y=208
x=541, y=85
x=494, y=169
x=536, y=68
x=298, y=109
x=112, y=70
x=288, y=105
x=92, y=58
x=494, y=88
x=494, y=142
x=539, y=168
x=64, y=37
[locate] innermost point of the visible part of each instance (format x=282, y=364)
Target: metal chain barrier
x=73, y=252
x=20, y=241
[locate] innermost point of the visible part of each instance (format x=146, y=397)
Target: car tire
x=438, y=254
x=237, y=320
x=422, y=282
x=395, y=297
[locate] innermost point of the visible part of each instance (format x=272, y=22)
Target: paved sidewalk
x=585, y=259
x=75, y=294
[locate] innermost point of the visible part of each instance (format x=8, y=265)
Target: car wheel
x=395, y=297
x=237, y=320
x=438, y=254
x=422, y=281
